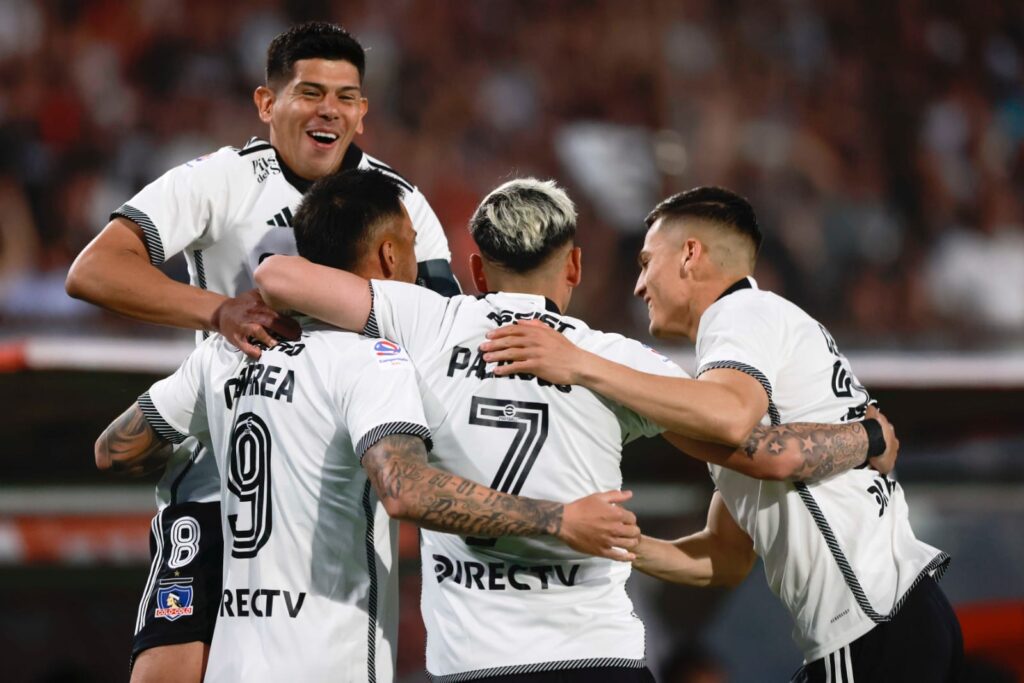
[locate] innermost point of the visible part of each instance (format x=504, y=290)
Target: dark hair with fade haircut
x=336, y=221
x=519, y=224
x=715, y=204
x=312, y=40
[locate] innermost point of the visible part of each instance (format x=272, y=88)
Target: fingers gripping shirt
x=557, y=609
x=309, y=551
x=840, y=553
x=229, y=210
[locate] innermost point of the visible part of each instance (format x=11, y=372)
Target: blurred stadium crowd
x=880, y=142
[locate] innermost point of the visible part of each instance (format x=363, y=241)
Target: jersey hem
x=388, y=429
x=150, y=235
x=539, y=667
x=773, y=411
x=157, y=421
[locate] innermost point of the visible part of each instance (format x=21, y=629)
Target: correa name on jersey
x=499, y=576
x=257, y=379
x=259, y=602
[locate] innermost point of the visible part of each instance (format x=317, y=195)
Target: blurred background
x=880, y=143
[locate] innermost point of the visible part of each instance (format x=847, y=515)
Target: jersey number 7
x=530, y=420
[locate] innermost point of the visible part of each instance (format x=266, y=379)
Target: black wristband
x=876, y=439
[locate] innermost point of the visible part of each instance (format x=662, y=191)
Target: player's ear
x=476, y=267
x=364, y=106
x=574, y=267
x=388, y=259
x=264, y=99
x=691, y=251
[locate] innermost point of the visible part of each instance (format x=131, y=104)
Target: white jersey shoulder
x=524, y=436
x=310, y=553
x=840, y=553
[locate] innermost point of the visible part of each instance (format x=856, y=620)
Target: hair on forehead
x=339, y=215
x=312, y=40
x=715, y=205
x=522, y=222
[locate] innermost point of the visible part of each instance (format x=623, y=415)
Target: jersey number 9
x=249, y=481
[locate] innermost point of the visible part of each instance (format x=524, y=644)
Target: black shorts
x=606, y=674
x=179, y=603
x=922, y=644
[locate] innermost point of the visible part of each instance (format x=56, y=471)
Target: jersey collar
x=744, y=283
x=549, y=305
x=353, y=156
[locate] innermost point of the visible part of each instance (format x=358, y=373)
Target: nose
x=641, y=286
x=329, y=108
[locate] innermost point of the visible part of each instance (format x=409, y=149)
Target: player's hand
x=530, y=346
x=246, y=317
x=885, y=462
x=599, y=525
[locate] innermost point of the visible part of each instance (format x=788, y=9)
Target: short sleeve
x=185, y=207
x=641, y=358
x=739, y=333
x=408, y=314
x=381, y=395
x=175, y=406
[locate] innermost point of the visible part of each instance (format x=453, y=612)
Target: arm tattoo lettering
x=824, y=449
x=397, y=466
x=131, y=446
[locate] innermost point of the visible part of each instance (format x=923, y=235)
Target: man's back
x=309, y=583
x=839, y=553
x=517, y=604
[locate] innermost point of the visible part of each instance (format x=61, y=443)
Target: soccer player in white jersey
x=226, y=211
x=839, y=553
x=320, y=441
x=520, y=609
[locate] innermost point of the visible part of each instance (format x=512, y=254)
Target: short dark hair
x=312, y=40
x=521, y=223
x=336, y=221
x=714, y=204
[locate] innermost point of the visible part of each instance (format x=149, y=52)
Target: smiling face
x=661, y=283
x=314, y=116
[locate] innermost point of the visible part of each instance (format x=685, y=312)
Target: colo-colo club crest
x=174, y=599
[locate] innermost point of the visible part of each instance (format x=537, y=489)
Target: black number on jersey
x=249, y=481
x=530, y=420
x=843, y=382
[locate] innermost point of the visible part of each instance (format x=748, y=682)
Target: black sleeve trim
x=149, y=232
x=773, y=411
x=436, y=274
x=157, y=422
x=371, y=329
x=389, y=429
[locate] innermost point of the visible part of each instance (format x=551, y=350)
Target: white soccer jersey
x=516, y=605
x=227, y=211
x=310, y=587
x=840, y=553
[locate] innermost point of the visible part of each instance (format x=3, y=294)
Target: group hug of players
x=357, y=387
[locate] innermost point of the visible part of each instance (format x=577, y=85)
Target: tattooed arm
x=801, y=451
x=721, y=554
x=131, y=446
x=412, y=490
